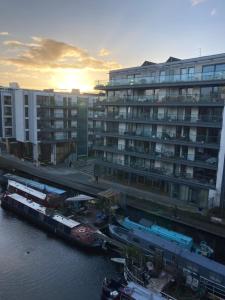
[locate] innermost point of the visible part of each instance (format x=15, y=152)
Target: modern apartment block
x=164, y=127
x=43, y=125
x=95, y=110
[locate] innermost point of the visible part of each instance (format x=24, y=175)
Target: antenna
x=200, y=51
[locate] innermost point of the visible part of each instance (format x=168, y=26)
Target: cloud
x=196, y=2
x=13, y=43
x=18, y=44
x=4, y=33
x=213, y=12
x=104, y=52
x=49, y=53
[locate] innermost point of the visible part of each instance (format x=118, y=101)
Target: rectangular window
x=162, y=77
x=7, y=100
x=208, y=69
x=183, y=73
x=27, y=123
x=191, y=72
x=8, y=122
x=220, y=68
x=8, y=132
x=27, y=135
x=208, y=72
x=26, y=111
x=8, y=111
x=26, y=100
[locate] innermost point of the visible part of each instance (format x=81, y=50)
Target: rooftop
x=26, y=189
x=172, y=61
x=59, y=218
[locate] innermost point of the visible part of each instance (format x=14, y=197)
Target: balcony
x=201, y=161
x=214, y=121
x=200, y=141
x=160, y=173
x=57, y=105
x=198, y=77
x=169, y=100
x=56, y=129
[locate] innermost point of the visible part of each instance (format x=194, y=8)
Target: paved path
x=85, y=183
x=70, y=179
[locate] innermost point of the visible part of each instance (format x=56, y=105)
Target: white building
x=43, y=125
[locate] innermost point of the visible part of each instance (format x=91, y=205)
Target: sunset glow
x=72, y=79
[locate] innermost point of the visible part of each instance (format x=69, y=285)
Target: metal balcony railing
x=201, y=118
x=206, y=159
x=163, y=171
x=146, y=80
x=164, y=136
x=216, y=98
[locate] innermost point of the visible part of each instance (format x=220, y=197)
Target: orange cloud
x=49, y=53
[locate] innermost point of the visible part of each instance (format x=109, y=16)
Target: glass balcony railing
x=204, y=159
x=163, y=171
x=146, y=80
x=167, y=137
x=166, y=99
x=203, y=118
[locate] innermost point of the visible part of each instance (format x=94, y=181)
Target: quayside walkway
x=139, y=199
x=63, y=177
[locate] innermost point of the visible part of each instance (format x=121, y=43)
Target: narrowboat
x=120, y=289
x=197, y=269
x=81, y=234
x=182, y=240
x=36, y=185
x=44, y=198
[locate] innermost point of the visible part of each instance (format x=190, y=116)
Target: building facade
x=163, y=127
x=95, y=110
x=43, y=125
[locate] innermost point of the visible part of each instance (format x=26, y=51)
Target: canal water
x=37, y=266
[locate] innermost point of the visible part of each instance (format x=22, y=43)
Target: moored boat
x=81, y=234
x=120, y=289
x=182, y=240
x=198, y=271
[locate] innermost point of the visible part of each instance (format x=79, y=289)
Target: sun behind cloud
x=72, y=79
x=65, y=66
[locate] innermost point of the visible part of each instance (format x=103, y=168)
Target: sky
x=65, y=44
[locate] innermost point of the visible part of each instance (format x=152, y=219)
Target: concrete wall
x=32, y=118
x=19, y=116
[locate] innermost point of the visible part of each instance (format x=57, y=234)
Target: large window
x=187, y=73
x=162, y=76
x=208, y=91
x=213, y=71
x=208, y=69
x=220, y=68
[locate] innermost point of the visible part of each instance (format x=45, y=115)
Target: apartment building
x=43, y=125
x=163, y=128
x=95, y=110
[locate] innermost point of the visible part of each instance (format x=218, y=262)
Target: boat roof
x=35, y=184
x=27, y=189
x=59, y=218
x=178, y=237
x=79, y=198
x=172, y=247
